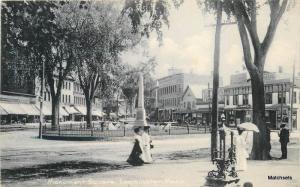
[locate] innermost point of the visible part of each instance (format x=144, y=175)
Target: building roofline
x=169, y=76
x=266, y=83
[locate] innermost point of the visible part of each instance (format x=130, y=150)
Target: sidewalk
x=166, y=172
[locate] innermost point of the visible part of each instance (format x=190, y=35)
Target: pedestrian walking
x=241, y=151
x=284, y=139
x=147, y=145
x=137, y=155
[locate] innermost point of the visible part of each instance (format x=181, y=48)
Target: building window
x=245, y=99
x=69, y=99
x=294, y=97
x=282, y=97
x=268, y=98
x=45, y=96
x=227, y=100
x=235, y=100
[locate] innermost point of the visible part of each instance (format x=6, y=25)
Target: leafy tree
x=32, y=30
x=245, y=13
x=129, y=84
x=100, y=35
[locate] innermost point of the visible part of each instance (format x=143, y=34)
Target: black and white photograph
x=150, y=93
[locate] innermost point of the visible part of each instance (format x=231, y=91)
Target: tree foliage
x=99, y=35
x=130, y=77
x=149, y=15
x=245, y=13
x=32, y=30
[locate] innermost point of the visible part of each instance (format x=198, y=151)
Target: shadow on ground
x=72, y=168
x=185, y=155
x=60, y=169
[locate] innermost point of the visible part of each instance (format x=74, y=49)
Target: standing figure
x=284, y=138
x=137, y=155
x=147, y=145
x=241, y=151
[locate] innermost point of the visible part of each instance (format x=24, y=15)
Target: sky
x=188, y=43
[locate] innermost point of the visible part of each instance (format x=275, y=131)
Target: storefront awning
x=277, y=106
x=97, y=113
x=62, y=112
x=47, y=109
x=30, y=109
x=2, y=111
x=13, y=108
x=81, y=109
x=71, y=110
x=113, y=115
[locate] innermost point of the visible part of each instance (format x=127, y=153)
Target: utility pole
x=42, y=99
x=209, y=109
x=292, y=97
x=214, y=122
x=281, y=104
x=214, y=112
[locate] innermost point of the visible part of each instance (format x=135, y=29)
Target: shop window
x=235, y=99
x=245, y=99
x=227, y=100
x=268, y=98
x=282, y=97
x=294, y=97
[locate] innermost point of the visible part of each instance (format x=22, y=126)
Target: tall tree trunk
x=214, y=125
x=88, y=112
x=261, y=141
x=55, y=112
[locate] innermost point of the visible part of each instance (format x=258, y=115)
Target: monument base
x=140, y=114
x=221, y=182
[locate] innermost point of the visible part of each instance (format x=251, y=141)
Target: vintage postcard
x=150, y=93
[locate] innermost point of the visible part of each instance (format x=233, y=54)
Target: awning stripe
x=13, y=108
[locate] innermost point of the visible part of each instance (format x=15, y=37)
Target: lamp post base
x=220, y=182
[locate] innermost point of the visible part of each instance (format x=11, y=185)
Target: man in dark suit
x=284, y=135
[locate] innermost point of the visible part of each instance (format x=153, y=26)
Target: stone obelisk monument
x=140, y=111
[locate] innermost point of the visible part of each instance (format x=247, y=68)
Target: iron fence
x=98, y=130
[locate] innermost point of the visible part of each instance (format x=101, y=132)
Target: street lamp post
x=42, y=99
x=292, y=98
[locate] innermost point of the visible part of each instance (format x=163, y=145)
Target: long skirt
x=135, y=155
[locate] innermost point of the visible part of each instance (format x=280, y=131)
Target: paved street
x=181, y=160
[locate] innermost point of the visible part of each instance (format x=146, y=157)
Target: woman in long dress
x=147, y=145
x=241, y=151
x=137, y=155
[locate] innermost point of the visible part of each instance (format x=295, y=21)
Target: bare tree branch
x=244, y=38
x=276, y=13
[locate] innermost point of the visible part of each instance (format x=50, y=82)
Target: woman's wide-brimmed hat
x=145, y=127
